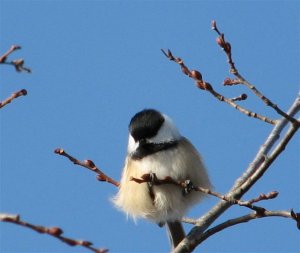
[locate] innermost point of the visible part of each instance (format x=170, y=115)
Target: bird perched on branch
x=156, y=147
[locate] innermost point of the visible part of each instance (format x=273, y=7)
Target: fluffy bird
x=156, y=147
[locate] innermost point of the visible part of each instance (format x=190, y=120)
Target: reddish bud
x=56, y=231
x=86, y=243
x=59, y=151
x=199, y=84
x=207, y=86
x=272, y=194
x=196, y=75
x=220, y=41
x=227, y=47
x=89, y=163
x=227, y=81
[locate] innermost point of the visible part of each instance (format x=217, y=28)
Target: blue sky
x=95, y=64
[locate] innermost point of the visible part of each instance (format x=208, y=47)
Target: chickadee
x=155, y=146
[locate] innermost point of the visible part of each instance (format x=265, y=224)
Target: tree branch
x=18, y=64
x=55, y=232
x=226, y=46
x=201, y=84
x=255, y=170
x=239, y=220
x=88, y=164
x=13, y=96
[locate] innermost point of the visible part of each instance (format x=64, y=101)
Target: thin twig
x=55, y=232
x=18, y=64
x=13, y=96
x=13, y=48
x=88, y=164
x=197, y=77
x=225, y=45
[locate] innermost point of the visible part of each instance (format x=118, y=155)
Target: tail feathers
x=176, y=232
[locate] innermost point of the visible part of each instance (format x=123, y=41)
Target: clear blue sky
x=96, y=63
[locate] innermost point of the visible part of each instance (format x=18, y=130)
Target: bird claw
x=188, y=187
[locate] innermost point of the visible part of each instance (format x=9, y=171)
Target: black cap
x=145, y=124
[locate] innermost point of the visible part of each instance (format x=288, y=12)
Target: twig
x=225, y=45
x=187, y=186
x=9, y=51
x=55, y=232
x=18, y=64
x=15, y=95
x=197, y=77
x=89, y=165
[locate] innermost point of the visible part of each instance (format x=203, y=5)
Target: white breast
x=180, y=163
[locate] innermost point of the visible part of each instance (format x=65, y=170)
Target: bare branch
x=13, y=96
x=201, y=84
x=55, y=232
x=18, y=64
x=13, y=48
x=88, y=164
x=239, y=220
x=255, y=170
x=241, y=80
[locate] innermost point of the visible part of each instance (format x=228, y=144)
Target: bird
x=156, y=147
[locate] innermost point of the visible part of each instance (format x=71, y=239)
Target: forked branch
x=203, y=85
x=226, y=46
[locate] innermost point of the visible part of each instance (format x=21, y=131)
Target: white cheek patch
x=132, y=145
x=167, y=132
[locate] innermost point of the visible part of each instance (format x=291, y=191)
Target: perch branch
x=187, y=186
x=226, y=46
x=55, y=232
x=13, y=96
x=197, y=77
x=88, y=164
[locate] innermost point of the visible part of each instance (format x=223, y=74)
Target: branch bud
x=227, y=47
x=89, y=163
x=196, y=75
x=220, y=41
x=86, y=243
x=56, y=231
x=59, y=151
x=204, y=85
